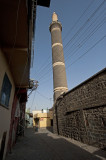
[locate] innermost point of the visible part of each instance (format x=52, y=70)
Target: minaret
x=59, y=74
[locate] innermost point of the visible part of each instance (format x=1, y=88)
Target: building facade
x=81, y=112
x=43, y=119
x=17, y=27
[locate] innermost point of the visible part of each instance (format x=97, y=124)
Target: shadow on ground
x=44, y=145
x=50, y=129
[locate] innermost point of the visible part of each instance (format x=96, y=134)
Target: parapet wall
x=81, y=112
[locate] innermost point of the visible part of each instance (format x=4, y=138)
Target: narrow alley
x=44, y=145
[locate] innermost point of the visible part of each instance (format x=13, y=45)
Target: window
x=5, y=91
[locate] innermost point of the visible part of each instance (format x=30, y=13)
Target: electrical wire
x=85, y=53
x=43, y=96
x=72, y=28
x=87, y=29
x=25, y=67
x=88, y=50
x=33, y=98
x=81, y=43
x=86, y=39
x=86, y=22
x=79, y=46
x=84, y=12
x=82, y=27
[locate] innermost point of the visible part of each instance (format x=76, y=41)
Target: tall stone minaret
x=59, y=74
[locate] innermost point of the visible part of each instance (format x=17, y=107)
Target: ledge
x=83, y=108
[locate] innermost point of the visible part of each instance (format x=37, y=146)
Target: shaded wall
x=81, y=112
x=5, y=113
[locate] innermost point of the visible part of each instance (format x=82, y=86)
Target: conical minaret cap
x=54, y=17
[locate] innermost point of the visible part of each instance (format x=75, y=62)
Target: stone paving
x=44, y=145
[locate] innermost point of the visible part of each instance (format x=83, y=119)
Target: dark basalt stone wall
x=81, y=112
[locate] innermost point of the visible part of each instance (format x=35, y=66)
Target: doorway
x=3, y=145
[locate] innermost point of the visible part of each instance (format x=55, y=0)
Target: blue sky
x=84, y=43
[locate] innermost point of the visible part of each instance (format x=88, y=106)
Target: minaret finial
x=54, y=17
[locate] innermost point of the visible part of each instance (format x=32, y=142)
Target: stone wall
x=81, y=112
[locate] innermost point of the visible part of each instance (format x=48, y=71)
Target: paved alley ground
x=44, y=145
